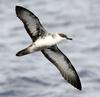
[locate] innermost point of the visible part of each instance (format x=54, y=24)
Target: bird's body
x=48, y=40
x=46, y=43
x=42, y=43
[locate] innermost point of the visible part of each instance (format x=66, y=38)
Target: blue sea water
x=33, y=75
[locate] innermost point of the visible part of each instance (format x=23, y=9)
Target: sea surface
x=33, y=75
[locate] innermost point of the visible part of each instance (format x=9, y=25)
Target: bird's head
x=64, y=36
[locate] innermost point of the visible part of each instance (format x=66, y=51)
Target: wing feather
x=64, y=65
x=31, y=22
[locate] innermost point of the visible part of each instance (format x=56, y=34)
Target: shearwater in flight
x=46, y=43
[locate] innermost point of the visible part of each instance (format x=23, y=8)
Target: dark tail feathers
x=23, y=52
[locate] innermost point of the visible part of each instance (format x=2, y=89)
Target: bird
x=47, y=44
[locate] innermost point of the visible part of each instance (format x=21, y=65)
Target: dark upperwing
x=54, y=55
x=31, y=23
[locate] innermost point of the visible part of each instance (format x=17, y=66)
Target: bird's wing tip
x=74, y=82
x=77, y=84
x=19, y=9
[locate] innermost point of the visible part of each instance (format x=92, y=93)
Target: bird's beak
x=68, y=38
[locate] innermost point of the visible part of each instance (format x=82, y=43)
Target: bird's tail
x=25, y=51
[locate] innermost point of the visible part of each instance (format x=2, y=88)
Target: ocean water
x=33, y=75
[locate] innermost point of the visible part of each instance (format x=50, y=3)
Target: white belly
x=47, y=41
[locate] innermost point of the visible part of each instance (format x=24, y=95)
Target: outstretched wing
x=31, y=22
x=64, y=65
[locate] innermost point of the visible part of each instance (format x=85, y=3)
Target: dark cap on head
x=64, y=36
